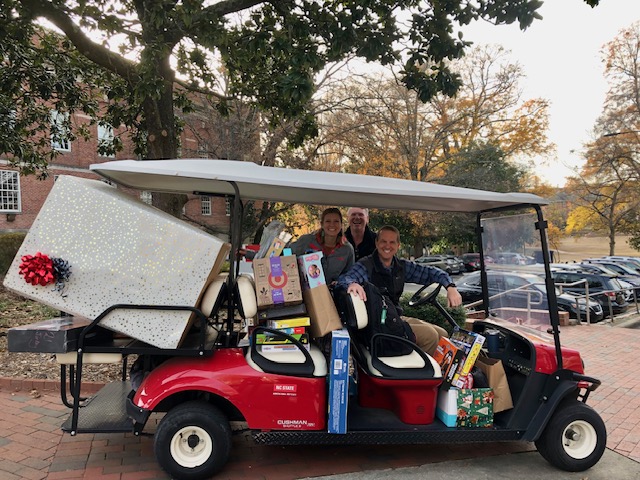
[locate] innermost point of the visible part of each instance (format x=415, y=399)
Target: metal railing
x=586, y=296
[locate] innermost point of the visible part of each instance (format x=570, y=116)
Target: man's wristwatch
x=450, y=285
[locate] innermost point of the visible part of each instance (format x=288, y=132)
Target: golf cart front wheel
x=575, y=438
x=193, y=441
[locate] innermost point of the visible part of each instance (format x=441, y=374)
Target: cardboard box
x=339, y=381
x=272, y=339
x=285, y=311
x=470, y=407
x=277, y=281
x=275, y=249
x=471, y=344
x=322, y=310
x=311, y=271
x=57, y=335
x=121, y=251
x=289, y=322
x=450, y=359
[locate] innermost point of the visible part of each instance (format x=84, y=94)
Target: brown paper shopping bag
x=322, y=310
x=494, y=371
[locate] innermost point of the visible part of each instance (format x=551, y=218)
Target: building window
x=105, y=140
x=203, y=150
x=227, y=206
x=10, y=192
x=146, y=197
x=60, y=131
x=205, y=205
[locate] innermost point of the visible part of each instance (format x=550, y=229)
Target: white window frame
x=105, y=137
x=58, y=119
x=203, y=150
x=10, y=193
x=205, y=205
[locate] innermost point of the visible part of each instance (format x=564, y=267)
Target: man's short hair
x=389, y=228
x=366, y=211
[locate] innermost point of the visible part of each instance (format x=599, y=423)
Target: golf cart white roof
x=255, y=182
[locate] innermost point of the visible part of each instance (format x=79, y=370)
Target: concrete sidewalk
x=33, y=447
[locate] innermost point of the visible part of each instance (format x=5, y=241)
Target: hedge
x=430, y=314
x=9, y=245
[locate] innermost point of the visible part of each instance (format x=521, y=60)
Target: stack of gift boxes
x=459, y=404
x=293, y=297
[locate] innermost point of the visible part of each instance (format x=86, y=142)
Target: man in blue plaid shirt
x=387, y=272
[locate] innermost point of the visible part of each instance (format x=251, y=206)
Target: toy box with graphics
x=277, y=281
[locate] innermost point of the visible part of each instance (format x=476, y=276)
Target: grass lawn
x=578, y=248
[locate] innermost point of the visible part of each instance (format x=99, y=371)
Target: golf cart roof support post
x=236, y=240
x=542, y=226
x=483, y=270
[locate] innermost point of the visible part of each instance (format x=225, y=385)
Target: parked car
x=455, y=265
x=521, y=289
x=634, y=260
x=604, y=288
x=471, y=261
x=434, y=261
x=628, y=277
x=622, y=267
x=511, y=258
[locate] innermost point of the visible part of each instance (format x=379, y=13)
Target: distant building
x=206, y=135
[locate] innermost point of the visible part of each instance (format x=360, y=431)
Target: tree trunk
x=162, y=143
x=612, y=241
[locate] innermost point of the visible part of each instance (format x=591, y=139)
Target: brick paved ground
x=33, y=447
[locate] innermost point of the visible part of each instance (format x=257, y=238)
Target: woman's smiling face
x=332, y=224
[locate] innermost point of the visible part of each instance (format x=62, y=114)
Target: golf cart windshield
x=515, y=277
x=507, y=241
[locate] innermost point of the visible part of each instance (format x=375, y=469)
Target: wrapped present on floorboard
x=118, y=251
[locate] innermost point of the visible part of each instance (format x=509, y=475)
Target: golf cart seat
x=215, y=295
x=298, y=361
x=405, y=384
x=414, y=365
x=244, y=296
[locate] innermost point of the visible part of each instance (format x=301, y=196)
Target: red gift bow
x=37, y=269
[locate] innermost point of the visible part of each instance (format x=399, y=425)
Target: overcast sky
x=560, y=56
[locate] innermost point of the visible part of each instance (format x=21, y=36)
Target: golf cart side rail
x=136, y=347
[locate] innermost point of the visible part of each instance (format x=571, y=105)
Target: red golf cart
x=211, y=379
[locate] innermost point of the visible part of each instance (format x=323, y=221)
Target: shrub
x=9, y=245
x=430, y=314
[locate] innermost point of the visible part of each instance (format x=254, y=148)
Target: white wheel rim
x=191, y=446
x=579, y=439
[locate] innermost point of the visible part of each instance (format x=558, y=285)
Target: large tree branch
x=232, y=6
x=93, y=51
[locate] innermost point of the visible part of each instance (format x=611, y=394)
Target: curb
x=43, y=385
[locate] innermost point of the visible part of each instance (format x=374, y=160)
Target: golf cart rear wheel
x=193, y=441
x=575, y=438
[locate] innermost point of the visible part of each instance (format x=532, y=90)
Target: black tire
x=574, y=439
x=193, y=441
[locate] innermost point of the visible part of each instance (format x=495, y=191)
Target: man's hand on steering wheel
x=454, y=299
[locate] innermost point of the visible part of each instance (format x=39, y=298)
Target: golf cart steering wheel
x=418, y=299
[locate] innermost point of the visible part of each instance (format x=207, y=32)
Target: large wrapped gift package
x=119, y=251
x=466, y=407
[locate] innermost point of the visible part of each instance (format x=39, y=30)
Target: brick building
x=206, y=136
